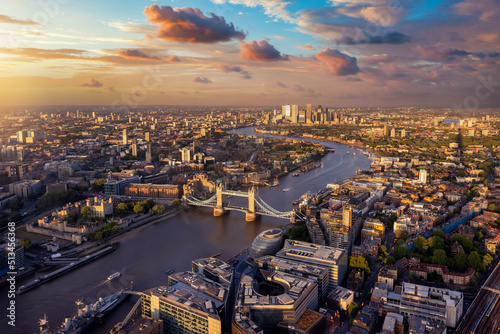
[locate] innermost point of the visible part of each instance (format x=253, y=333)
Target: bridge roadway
x=483, y=316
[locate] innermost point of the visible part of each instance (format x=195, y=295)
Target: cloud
x=306, y=47
x=190, y=25
x=8, y=19
x=298, y=88
x=135, y=54
x=338, y=63
x=272, y=8
x=383, y=15
x=173, y=59
x=132, y=27
x=202, y=80
x=260, y=50
x=244, y=74
x=441, y=51
x=280, y=84
x=93, y=83
x=391, y=37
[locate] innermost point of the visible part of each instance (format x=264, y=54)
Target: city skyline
x=239, y=52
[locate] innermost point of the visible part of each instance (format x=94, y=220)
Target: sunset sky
x=250, y=52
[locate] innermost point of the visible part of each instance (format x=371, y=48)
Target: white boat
x=114, y=276
x=275, y=182
x=286, y=189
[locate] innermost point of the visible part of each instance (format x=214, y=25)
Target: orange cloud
x=260, y=50
x=190, y=25
x=338, y=63
x=306, y=47
x=135, y=54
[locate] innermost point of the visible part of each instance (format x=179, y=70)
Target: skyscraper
x=295, y=113
x=185, y=155
x=422, y=176
x=308, y=112
x=125, y=137
x=146, y=135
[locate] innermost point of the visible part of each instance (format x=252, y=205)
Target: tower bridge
x=256, y=205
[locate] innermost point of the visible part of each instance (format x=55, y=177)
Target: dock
x=64, y=270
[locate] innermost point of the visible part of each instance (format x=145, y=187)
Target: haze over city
x=250, y=52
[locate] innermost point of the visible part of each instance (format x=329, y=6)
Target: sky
x=338, y=53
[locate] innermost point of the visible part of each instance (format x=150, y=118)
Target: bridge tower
x=219, y=208
x=251, y=214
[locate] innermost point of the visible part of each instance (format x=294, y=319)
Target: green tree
x=474, y=261
x=479, y=235
x=86, y=211
x=439, y=257
x=158, y=209
x=26, y=243
x=176, y=203
x=148, y=204
x=390, y=260
x=138, y=208
x=122, y=207
x=401, y=235
x=438, y=233
x=435, y=243
x=383, y=251
x=16, y=204
x=487, y=259
x=98, y=185
x=359, y=262
x=421, y=245
x=460, y=261
x=32, y=196
x=352, y=309
x=400, y=252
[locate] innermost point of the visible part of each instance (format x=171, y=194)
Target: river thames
x=171, y=244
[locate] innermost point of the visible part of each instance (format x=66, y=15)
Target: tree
x=158, y=209
x=25, y=243
x=138, y=208
x=435, y=243
x=16, y=204
x=421, y=245
x=438, y=233
x=487, y=259
x=390, y=260
x=400, y=252
x=383, y=251
x=122, y=207
x=98, y=185
x=474, y=261
x=359, y=262
x=479, y=235
x=401, y=235
x=32, y=196
x=176, y=203
x=148, y=204
x=86, y=211
x=439, y=257
x=460, y=261
x=352, y=310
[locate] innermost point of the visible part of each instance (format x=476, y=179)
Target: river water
x=172, y=244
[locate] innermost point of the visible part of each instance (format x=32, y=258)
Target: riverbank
x=328, y=139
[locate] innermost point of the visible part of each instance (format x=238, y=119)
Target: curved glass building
x=268, y=242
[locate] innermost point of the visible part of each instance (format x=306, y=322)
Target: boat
x=353, y=153
x=86, y=315
x=170, y=272
x=275, y=182
x=216, y=254
x=347, y=152
x=114, y=276
x=295, y=174
x=286, y=189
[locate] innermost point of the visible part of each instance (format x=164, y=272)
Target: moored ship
x=86, y=315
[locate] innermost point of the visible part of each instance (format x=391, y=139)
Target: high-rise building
x=134, y=150
x=148, y=154
x=393, y=133
x=147, y=137
x=334, y=259
x=286, y=110
x=422, y=176
x=125, y=137
x=182, y=309
x=403, y=133
x=308, y=112
x=185, y=154
x=387, y=130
